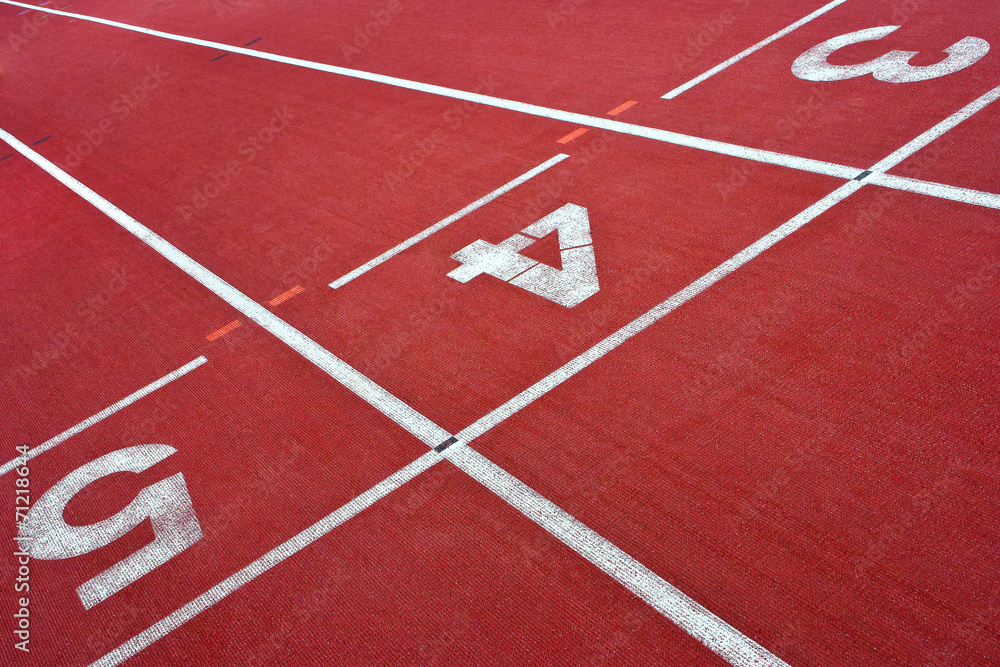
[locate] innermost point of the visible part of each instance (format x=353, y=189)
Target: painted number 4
x=575, y=282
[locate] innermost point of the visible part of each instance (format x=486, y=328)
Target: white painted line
x=576, y=365
x=398, y=411
x=938, y=130
x=939, y=190
x=413, y=240
x=674, y=138
x=266, y=562
x=646, y=320
x=756, y=154
x=753, y=49
x=107, y=412
x=727, y=642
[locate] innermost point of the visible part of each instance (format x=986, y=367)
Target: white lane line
x=576, y=365
x=398, y=411
x=659, y=311
x=939, y=190
x=753, y=49
x=107, y=412
x=937, y=131
x=674, y=138
x=413, y=240
x=727, y=642
x=756, y=154
x=266, y=562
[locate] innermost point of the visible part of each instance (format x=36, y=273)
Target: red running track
x=806, y=449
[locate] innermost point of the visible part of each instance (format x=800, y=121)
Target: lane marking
x=949, y=123
x=107, y=412
x=573, y=135
x=753, y=49
x=269, y=560
x=610, y=343
x=253, y=41
x=219, y=57
x=710, y=145
x=723, y=639
x=285, y=296
x=863, y=175
x=219, y=333
x=41, y=140
x=413, y=240
x=568, y=370
x=6, y=156
x=617, y=110
x=420, y=426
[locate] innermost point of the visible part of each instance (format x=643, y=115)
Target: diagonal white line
x=272, y=558
x=728, y=643
x=106, y=412
x=417, y=238
x=756, y=154
x=712, y=631
x=677, y=139
x=753, y=49
x=658, y=312
x=420, y=426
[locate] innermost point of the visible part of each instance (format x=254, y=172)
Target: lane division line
x=272, y=558
x=417, y=238
x=103, y=414
x=659, y=311
x=710, y=145
x=753, y=49
x=724, y=640
x=417, y=424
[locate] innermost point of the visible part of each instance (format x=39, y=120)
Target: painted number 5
x=893, y=67
x=47, y=536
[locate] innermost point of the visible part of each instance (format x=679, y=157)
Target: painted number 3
x=893, y=67
x=166, y=504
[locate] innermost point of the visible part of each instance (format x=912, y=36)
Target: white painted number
x=893, y=67
x=166, y=503
x=575, y=282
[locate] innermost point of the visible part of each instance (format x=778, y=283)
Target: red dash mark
x=573, y=135
x=618, y=110
x=219, y=333
x=286, y=296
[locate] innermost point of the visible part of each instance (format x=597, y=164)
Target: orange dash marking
x=618, y=110
x=286, y=296
x=573, y=135
x=219, y=333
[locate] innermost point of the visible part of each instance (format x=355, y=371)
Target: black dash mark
x=253, y=40
x=41, y=140
x=863, y=175
x=5, y=157
x=219, y=57
x=446, y=444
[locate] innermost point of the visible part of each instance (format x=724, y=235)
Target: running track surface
x=769, y=438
